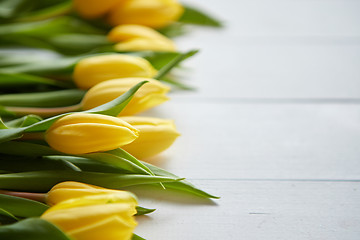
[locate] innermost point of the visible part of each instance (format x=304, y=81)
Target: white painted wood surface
x=274, y=127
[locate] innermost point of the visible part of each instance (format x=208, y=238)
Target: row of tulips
x=70, y=138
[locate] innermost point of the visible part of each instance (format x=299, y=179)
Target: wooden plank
x=275, y=71
x=284, y=17
x=256, y=210
x=275, y=141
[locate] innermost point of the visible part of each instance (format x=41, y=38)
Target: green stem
x=40, y=197
x=33, y=136
x=42, y=112
x=43, y=99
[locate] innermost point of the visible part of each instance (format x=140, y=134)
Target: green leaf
x=11, y=164
x=8, y=79
x=183, y=185
x=76, y=43
x=3, y=212
x=43, y=99
x=23, y=121
x=123, y=154
x=195, y=16
x=143, y=211
x=10, y=134
x=85, y=164
x=117, y=158
x=43, y=181
x=95, y=166
x=32, y=229
x=22, y=207
x=11, y=8
x=45, y=13
x=6, y=112
x=174, y=30
x=114, y=107
x=116, y=161
x=26, y=149
x=15, y=56
x=2, y=124
x=58, y=66
x=160, y=59
x=136, y=237
x=162, y=72
x=47, y=28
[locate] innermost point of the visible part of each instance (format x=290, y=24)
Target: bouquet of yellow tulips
x=70, y=137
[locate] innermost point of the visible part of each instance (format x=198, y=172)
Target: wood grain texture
x=274, y=127
x=272, y=141
x=257, y=210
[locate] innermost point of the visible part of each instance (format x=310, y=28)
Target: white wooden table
x=274, y=127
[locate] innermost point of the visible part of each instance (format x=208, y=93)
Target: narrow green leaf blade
x=43, y=181
x=59, y=98
x=23, y=121
x=196, y=16
x=12, y=164
x=10, y=134
x=123, y=154
x=114, y=107
x=116, y=161
x=183, y=185
x=2, y=124
x=95, y=166
x=167, y=68
x=26, y=149
x=5, y=213
x=143, y=211
x=137, y=237
x=32, y=229
x=8, y=79
x=22, y=207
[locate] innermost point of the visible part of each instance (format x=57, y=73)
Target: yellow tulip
x=155, y=136
x=66, y=190
x=94, y=8
x=81, y=133
x=151, y=13
x=132, y=37
x=149, y=95
x=130, y=31
x=107, y=216
x=143, y=44
x=92, y=70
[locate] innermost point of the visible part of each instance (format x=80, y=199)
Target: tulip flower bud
x=107, y=216
x=92, y=70
x=151, y=13
x=143, y=44
x=155, y=136
x=149, y=95
x=67, y=190
x=132, y=37
x=81, y=133
x=94, y=8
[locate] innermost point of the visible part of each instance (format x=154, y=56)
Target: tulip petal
x=113, y=228
x=81, y=133
x=70, y=189
x=92, y=70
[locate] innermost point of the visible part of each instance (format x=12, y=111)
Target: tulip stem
x=42, y=112
x=33, y=136
x=40, y=197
